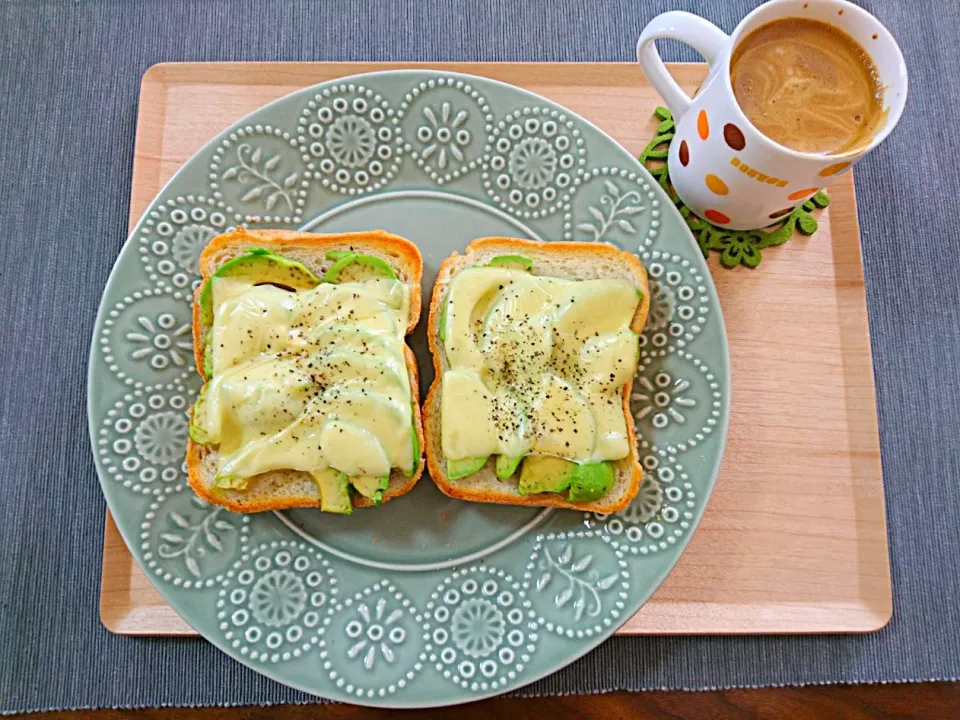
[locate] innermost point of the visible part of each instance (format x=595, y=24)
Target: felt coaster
x=736, y=247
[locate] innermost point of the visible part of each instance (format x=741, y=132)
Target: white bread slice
x=283, y=489
x=576, y=261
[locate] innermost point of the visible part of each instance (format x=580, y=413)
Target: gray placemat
x=69, y=75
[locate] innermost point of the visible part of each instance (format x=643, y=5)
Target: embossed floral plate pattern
x=425, y=600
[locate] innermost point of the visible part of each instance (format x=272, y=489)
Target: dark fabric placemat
x=69, y=76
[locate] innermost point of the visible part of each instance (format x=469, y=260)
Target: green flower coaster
x=736, y=247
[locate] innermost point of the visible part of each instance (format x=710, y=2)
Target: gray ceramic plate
x=426, y=600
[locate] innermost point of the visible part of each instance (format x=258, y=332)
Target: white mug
x=720, y=165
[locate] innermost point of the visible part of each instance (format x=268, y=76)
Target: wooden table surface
x=932, y=700
x=849, y=702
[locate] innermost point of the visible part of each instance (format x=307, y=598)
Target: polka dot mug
x=721, y=166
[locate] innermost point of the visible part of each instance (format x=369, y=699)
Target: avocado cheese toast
x=535, y=346
x=310, y=393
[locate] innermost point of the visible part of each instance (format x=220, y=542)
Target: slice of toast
x=575, y=261
x=284, y=489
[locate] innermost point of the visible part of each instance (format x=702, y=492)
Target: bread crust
x=405, y=260
x=629, y=466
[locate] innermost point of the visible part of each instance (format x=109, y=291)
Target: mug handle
x=702, y=35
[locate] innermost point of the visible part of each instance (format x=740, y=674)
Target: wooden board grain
x=794, y=538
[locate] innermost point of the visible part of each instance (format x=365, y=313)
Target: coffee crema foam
x=809, y=86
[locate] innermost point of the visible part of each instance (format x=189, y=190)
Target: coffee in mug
x=808, y=85
x=799, y=92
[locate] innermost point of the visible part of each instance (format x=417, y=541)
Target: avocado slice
x=230, y=482
x=442, y=332
x=331, y=275
x=334, y=491
x=507, y=465
x=257, y=265
x=479, y=311
x=586, y=481
x=196, y=431
x=370, y=486
x=208, y=354
x=416, y=452
x=597, y=308
x=457, y=469
x=512, y=262
x=349, y=446
x=545, y=473
x=350, y=267
x=591, y=481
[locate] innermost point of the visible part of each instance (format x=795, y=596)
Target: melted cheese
x=536, y=365
x=310, y=379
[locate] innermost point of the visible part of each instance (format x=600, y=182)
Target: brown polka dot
x=806, y=5
x=734, y=136
x=801, y=193
x=684, y=153
x=839, y=12
x=716, y=217
x=716, y=185
x=834, y=169
x=874, y=36
x=781, y=213
x=703, y=125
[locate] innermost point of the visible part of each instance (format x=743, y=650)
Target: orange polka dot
x=834, y=169
x=717, y=217
x=716, y=185
x=703, y=125
x=801, y=193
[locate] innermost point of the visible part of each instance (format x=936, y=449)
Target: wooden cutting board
x=794, y=538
